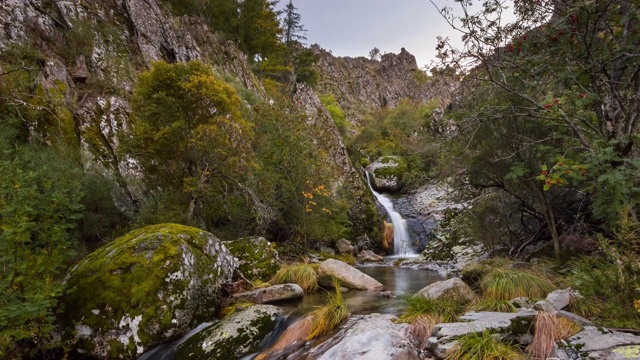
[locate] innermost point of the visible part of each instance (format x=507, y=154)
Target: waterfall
x=401, y=239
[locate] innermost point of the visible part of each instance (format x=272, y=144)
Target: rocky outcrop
x=232, y=337
x=561, y=299
x=144, y=288
x=599, y=343
x=344, y=247
x=270, y=294
x=452, y=288
x=386, y=173
x=373, y=84
x=348, y=276
x=257, y=257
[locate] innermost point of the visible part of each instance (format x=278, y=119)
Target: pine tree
x=291, y=25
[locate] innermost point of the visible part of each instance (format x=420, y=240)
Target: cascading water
x=401, y=239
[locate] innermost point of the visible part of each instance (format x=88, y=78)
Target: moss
x=395, y=169
x=151, y=276
x=258, y=258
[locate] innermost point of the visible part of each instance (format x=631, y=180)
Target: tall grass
x=507, y=284
x=483, y=346
x=487, y=304
x=302, y=274
x=444, y=309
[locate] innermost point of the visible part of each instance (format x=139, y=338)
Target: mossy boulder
x=232, y=337
x=144, y=288
x=387, y=172
x=257, y=257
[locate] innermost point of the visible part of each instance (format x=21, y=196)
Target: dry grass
x=507, y=284
x=301, y=274
x=422, y=327
x=230, y=310
x=549, y=329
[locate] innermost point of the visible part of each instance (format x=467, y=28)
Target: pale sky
x=354, y=27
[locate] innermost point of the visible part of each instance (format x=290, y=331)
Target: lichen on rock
x=144, y=288
x=257, y=257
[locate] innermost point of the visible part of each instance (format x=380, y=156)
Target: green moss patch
x=257, y=257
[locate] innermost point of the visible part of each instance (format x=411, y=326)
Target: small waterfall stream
x=401, y=239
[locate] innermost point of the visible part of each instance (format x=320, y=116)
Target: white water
x=401, y=239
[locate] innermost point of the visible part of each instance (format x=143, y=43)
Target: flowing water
x=401, y=238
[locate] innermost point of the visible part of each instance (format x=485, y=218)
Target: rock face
x=271, y=294
x=453, y=287
x=386, y=173
x=444, y=336
x=599, y=343
x=144, y=288
x=232, y=337
x=257, y=257
x=349, y=277
x=368, y=337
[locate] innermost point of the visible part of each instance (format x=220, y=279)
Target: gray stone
x=349, y=276
x=600, y=343
x=257, y=257
x=561, y=299
x=575, y=318
x=368, y=337
x=232, y=337
x=368, y=256
x=386, y=173
x=521, y=302
x=453, y=287
x=545, y=306
x=270, y=294
x=345, y=247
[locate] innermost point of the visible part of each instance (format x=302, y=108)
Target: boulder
x=444, y=336
x=453, y=288
x=368, y=337
x=257, y=257
x=233, y=336
x=600, y=343
x=561, y=299
x=349, y=276
x=345, y=247
x=368, y=256
x=144, y=288
x=270, y=294
x=386, y=173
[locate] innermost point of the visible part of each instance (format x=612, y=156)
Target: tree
x=293, y=30
x=374, y=54
x=188, y=133
x=260, y=30
x=571, y=68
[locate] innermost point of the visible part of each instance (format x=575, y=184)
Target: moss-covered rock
x=387, y=172
x=232, y=337
x=257, y=257
x=144, y=288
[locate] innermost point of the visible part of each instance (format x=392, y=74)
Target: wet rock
x=600, y=343
x=270, y=294
x=444, y=336
x=349, y=276
x=257, y=257
x=368, y=256
x=154, y=284
x=368, y=337
x=344, y=247
x=233, y=336
x=452, y=288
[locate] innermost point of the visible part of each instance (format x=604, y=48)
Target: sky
x=354, y=27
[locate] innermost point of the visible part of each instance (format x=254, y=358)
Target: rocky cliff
x=361, y=84
x=90, y=53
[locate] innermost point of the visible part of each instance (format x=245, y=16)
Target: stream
x=397, y=280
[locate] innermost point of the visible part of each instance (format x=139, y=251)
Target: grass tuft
x=230, y=310
x=483, y=346
x=549, y=329
x=503, y=284
x=422, y=327
x=301, y=274
x=444, y=309
x=486, y=304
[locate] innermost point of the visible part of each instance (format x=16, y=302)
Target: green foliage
x=303, y=67
x=507, y=284
x=483, y=346
x=301, y=274
x=80, y=39
x=189, y=137
x=446, y=309
x=40, y=204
